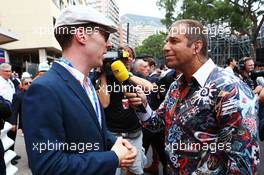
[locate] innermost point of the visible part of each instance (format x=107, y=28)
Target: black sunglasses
x=27, y=83
x=104, y=33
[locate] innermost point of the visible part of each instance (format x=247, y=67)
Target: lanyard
x=94, y=97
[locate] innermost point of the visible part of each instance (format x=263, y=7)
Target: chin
x=168, y=64
x=99, y=64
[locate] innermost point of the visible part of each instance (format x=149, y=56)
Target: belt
x=130, y=135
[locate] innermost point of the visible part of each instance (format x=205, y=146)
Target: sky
x=140, y=7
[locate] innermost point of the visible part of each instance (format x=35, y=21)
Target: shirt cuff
x=145, y=116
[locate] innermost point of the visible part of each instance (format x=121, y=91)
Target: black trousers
x=156, y=140
x=12, y=135
x=261, y=121
x=2, y=161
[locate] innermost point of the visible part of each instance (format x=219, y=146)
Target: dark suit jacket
x=58, y=116
x=5, y=111
x=16, y=117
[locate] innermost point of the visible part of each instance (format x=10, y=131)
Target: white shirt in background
x=7, y=89
x=229, y=69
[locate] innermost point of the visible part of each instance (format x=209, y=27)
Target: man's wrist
x=119, y=161
x=145, y=116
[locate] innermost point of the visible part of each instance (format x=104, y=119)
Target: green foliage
x=153, y=45
x=169, y=6
x=242, y=16
x=239, y=16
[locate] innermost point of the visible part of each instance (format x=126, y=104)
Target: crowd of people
x=198, y=118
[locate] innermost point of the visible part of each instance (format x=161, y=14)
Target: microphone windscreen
x=119, y=70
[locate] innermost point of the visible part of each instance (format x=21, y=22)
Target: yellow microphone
x=120, y=71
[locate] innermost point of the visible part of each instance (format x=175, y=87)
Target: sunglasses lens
x=27, y=83
x=104, y=33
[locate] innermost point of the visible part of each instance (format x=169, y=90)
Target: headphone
x=244, y=60
x=195, y=48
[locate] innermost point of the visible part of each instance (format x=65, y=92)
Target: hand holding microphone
x=135, y=95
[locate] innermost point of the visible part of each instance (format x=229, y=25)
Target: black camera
x=256, y=73
x=111, y=56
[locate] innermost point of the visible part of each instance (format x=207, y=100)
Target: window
x=61, y=4
x=54, y=21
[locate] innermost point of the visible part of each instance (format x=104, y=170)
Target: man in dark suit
x=5, y=112
x=64, y=124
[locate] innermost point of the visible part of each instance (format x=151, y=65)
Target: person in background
x=249, y=66
x=26, y=81
x=131, y=58
x=164, y=70
x=260, y=79
x=156, y=140
x=42, y=69
x=5, y=112
x=257, y=88
x=7, y=91
x=121, y=120
x=16, y=118
x=231, y=64
x=7, y=88
x=15, y=79
x=153, y=74
x=140, y=68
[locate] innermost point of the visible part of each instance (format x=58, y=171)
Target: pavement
x=23, y=162
x=20, y=149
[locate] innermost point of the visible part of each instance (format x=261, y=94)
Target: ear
x=198, y=45
x=80, y=35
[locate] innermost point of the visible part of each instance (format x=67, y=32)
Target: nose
x=166, y=47
x=108, y=46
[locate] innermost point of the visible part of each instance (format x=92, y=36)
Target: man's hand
x=130, y=158
x=14, y=128
x=136, y=99
x=257, y=90
x=124, y=151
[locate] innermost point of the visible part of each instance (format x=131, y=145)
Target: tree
x=153, y=45
x=241, y=15
x=169, y=6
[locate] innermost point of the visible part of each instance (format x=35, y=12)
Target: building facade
x=144, y=31
x=127, y=38
x=33, y=22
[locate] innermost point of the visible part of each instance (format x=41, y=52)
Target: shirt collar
x=75, y=72
x=4, y=79
x=202, y=74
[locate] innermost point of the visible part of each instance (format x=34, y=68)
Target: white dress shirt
x=229, y=69
x=7, y=89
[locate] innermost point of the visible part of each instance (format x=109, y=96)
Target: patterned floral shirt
x=210, y=124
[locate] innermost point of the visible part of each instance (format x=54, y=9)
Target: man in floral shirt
x=209, y=114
